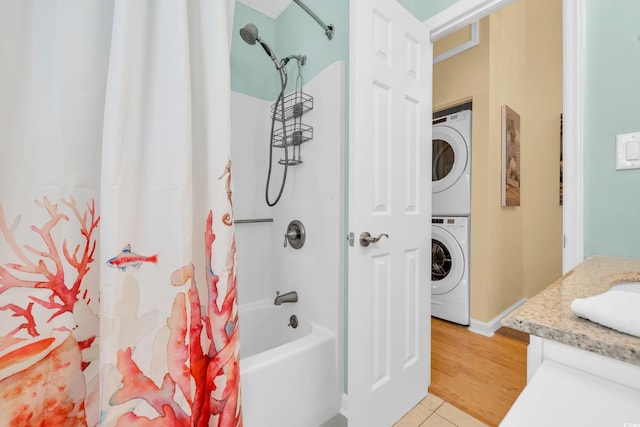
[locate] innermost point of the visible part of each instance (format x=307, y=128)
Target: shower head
x=249, y=34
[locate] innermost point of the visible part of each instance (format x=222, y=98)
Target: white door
x=389, y=192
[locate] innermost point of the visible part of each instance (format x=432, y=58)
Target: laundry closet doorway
x=465, y=12
x=515, y=251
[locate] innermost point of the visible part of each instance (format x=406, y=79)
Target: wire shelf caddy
x=295, y=105
x=292, y=135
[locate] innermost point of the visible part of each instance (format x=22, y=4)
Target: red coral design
x=177, y=349
x=36, y=274
x=199, y=380
x=136, y=385
x=169, y=420
x=27, y=313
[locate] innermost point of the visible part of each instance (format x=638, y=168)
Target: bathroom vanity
x=578, y=372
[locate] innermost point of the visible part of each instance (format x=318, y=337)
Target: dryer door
x=447, y=261
x=450, y=157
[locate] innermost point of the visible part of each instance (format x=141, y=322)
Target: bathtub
x=288, y=376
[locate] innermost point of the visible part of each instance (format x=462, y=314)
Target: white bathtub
x=288, y=376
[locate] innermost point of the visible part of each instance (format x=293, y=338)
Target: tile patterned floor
x=435, y=412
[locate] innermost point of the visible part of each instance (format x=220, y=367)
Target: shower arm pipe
x=328, y=29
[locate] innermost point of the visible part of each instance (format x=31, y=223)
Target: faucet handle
x=291, y=234
x=295, y=234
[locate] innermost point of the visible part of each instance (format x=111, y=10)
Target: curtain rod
x=328, y=29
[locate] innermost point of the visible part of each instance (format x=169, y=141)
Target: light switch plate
x=628, y=151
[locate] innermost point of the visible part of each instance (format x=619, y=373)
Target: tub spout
x=288, y=297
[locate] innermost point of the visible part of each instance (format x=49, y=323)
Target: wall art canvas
x=510, y=157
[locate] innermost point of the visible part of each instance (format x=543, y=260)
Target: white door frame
x=464, y=12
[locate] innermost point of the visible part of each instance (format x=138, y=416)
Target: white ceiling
x=271, y=8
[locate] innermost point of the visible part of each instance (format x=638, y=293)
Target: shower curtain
x=117, y=250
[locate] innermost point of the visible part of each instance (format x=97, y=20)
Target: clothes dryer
x=451, y=165
x=450, y=269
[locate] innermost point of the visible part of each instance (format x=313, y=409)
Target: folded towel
x=617, y=309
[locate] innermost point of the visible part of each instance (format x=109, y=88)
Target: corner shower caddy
x=293, y=132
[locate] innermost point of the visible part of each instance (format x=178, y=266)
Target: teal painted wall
x=425, y=9
x=612, y=86
x=293, y=32
x=410, y=5
x=298, y=33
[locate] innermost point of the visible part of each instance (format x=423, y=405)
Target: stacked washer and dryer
x=450, y=223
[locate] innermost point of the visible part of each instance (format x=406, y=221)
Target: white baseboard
x=488, y=328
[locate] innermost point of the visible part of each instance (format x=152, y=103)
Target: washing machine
x=450, y=269
x=451, y=165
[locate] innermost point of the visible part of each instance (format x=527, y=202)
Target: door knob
x=366, y=238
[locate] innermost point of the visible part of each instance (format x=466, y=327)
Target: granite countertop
x=548, y=314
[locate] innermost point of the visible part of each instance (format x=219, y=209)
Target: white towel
x=617, y=309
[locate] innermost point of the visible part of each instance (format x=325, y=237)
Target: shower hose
x=280, y=101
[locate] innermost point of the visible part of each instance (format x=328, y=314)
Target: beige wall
x=544, y=105
x=515, y=251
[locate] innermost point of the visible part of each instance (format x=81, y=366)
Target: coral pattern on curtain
x=117, y=248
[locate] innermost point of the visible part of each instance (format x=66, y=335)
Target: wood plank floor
x=481, y=376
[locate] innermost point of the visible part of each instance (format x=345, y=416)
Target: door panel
x=380, y=321
x=412, y=122
x=412, y=309
x=379, y=173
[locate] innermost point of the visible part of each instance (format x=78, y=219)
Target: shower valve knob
x=295, y=235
